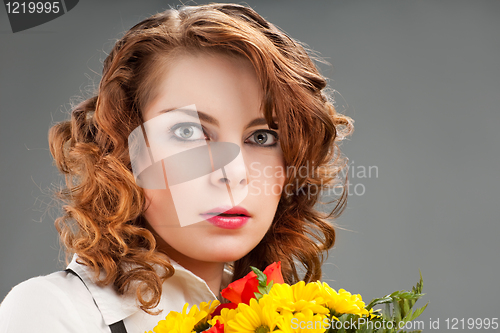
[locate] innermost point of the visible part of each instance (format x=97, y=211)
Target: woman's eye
x=189, y=132
x=264, y=138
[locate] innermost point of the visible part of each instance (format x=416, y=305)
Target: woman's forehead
x=219, y=85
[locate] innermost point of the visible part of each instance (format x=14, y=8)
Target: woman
x=186, y=169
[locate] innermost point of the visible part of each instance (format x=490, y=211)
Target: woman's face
x=220, y=100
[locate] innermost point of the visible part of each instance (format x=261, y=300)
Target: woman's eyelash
x=173, y=129
x=267, y=131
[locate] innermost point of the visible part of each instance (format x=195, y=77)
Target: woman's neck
x=210, y=272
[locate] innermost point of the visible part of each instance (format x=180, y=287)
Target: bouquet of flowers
x=261, y=302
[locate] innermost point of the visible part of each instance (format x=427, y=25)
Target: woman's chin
x=225, y=255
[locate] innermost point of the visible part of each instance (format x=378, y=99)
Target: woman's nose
x=232, y=173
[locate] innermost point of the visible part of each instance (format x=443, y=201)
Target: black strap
x=119, y=326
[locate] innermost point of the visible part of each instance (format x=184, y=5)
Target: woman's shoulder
x=54, y=281
x=51, y=303
x=42, y=290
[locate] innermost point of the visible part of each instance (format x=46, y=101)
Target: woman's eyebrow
x=196, y=114
x=258, y=122
x=211, y=120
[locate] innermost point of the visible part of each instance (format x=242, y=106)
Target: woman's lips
x=227, y=217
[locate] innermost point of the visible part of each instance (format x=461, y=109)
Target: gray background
x=421, y=79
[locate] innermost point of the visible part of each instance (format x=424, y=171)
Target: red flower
x=217, y=328
x=244, y=289
x=273, y=273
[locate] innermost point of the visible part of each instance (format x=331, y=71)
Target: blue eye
x=265, y=138
x=188, y=132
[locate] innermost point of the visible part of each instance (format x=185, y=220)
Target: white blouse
x=60, y=302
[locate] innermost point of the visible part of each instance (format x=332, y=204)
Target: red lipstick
x=227, y=217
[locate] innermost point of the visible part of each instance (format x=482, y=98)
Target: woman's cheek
x=160, y=210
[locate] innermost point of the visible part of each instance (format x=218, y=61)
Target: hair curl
x=103, y=221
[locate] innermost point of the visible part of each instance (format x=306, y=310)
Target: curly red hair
x=103, y=221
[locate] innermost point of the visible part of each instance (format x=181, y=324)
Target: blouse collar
x=115, y=307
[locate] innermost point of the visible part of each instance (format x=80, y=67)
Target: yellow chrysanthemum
x=258, y=317
x=304, y=322
x=204, y=314
x=210, y=306
x=297, y=297
x=187, y=322
x=342, y=301
x=225, y=315
x=176, y=322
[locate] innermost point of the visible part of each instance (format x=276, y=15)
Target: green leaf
x=418, y=312
x=261, y=277
x=381, y=300
x=270, y=285
x=418, y=288
x=396, y=312
x=406, y=318
x=262, y=290
x=387, y=312
x=406, y=307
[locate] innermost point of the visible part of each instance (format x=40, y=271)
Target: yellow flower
x=225, y=315
x=258, y=317
x=304, y=322
x=210, y=306
x=187, y=322
x=176, y=322
x=342, y=301
x=204, y=314
x=297, y=297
